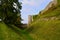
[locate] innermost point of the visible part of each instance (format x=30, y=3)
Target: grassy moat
x=45, y=26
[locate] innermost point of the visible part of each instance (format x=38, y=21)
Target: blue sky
x=32, y=7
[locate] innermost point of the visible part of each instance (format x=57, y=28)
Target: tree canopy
x=10, y=11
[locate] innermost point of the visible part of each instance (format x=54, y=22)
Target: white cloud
x=32, y=2
x=31, y=7
x=28, y=2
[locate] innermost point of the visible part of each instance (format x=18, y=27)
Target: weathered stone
x=51, y=4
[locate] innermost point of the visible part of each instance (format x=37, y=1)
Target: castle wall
x=55, y=2
x=51, y=4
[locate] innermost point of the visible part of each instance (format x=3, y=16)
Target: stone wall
x=30, y=17
x=51, y=4
x=55, y=2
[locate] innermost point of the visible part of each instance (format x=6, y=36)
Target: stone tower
x=30, y=19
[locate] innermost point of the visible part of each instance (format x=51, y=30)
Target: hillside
x=12, y=33
x=47, y=25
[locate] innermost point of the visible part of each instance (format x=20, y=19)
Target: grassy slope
x=12, y=33
x=46, y=30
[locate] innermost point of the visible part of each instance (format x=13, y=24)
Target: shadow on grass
x=20, y=32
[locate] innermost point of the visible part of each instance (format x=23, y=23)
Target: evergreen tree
x=10, y=11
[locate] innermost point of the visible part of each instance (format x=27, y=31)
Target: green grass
x=46, y=30
x=39, y=29
x=12, y=33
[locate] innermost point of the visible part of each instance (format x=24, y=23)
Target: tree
x=10, y=11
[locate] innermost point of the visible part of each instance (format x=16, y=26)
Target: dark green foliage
x=10, y=11
x=34, y=17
